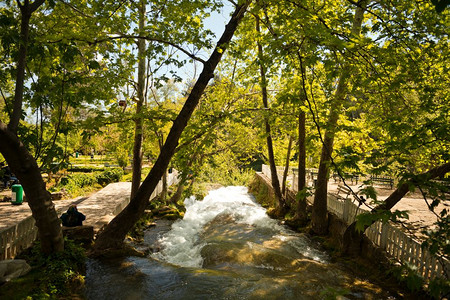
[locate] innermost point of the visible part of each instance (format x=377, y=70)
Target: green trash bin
x=17, y=194
x=76, y=154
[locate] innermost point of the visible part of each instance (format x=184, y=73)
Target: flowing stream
x=226, y=247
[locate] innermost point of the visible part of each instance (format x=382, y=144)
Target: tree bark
x=115, y=232
x=21, y=162
x=352, y=239
x=319, y=212
x=24, y=166
x=26, y=11
x=138, y=121
x=286, y=167
x=301, y=214
x=281, y=209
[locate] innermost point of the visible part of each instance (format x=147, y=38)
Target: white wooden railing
x=395, y=242
x=16, y=238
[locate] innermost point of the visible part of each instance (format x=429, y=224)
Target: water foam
x=181, y=245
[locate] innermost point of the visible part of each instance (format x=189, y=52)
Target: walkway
x=99, y=208
x=17, y=226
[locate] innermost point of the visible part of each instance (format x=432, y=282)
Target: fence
x=396, y=243
x=20, y=236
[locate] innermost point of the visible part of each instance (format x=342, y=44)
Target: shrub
x=55, y=276
x=109, y=175
x=79, y=180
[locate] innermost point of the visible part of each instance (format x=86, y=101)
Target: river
x=226, y=247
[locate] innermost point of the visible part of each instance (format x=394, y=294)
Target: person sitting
x=72, y=217
x=8, y=177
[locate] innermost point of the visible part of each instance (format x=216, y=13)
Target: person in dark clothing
x=72, y=217
x=8, y=177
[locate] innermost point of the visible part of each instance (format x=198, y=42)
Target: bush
x=54, y=276
x=108, y=176
x=79, y=180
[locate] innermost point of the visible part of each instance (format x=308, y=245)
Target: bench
x=354, y=178
x=382, y=181
x=343, y=192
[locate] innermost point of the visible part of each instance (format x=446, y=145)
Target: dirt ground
x=420, y=216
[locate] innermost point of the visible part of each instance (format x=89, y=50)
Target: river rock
x=13, y=268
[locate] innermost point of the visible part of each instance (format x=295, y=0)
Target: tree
x=319, y=212
x=18, y=157
x=114, y=233
x=138, y=134
x=279, y=198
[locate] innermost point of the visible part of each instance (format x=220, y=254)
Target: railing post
x=346, y=213
x=294, y=181
x=383, y=235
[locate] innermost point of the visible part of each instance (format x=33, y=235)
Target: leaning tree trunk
x=319, y=213
x=115, y=232
x=281, y=209
x=24, y=166
x=138, y=121
x=352, y=239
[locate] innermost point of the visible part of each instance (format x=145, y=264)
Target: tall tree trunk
x=286, y=166
x=24, y=166
x=281, y=209
x=26, y=11
x=115, y=232
x=319, y=212
x=301, y=215
x=138, y=121
x=353, y=238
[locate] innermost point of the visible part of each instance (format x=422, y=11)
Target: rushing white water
x=183, y=244
x=226, y=247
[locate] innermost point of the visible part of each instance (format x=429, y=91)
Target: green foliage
x=122, y=156
x=304, y=193
x=77, y=183
x=52, y=276
x=366, y=219
x=78, y=180
x=109, y=175
x=369, y=191
x=439, y=288
x=408, y=274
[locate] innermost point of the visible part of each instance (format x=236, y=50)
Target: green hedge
x=109, y=175
x=75, y=182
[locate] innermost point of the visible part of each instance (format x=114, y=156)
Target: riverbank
x=384, y=272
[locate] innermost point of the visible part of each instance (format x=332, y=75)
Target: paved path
x=99, y=208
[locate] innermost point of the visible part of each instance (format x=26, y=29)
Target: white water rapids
x=225, y=247
x=182, y=245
